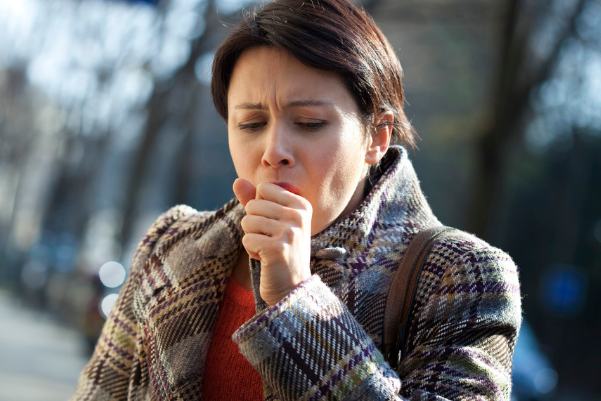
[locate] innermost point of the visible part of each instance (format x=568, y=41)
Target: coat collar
x=395, y=200
x=394, y=208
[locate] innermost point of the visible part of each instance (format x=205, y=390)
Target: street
x=39, y=359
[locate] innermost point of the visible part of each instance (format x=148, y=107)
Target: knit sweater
x=323, y=340
x=228, y=375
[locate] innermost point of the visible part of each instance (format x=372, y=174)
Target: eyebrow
x=294, y=103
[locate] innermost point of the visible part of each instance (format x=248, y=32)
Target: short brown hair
x=331, y=35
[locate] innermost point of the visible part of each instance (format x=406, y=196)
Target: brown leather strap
x=402, y=292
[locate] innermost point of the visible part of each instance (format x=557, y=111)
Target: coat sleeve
x=462, y=334
x=117, y=368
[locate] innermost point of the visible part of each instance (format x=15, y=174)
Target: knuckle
x=307, y=205
x=295, y=215
x=289, y=235
x=248, y=243
x=277, y=247
x=295, y=233
x=250, y=206
x=245, y=223
x=261, y=187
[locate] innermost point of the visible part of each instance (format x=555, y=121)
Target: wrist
x=272, y=296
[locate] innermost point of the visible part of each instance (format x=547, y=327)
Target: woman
x=325, y=208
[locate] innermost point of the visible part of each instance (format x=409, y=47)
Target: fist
x=277, y=232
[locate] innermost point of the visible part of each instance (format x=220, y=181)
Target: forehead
x=267, y=74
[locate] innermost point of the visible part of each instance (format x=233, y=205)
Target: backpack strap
x=402, y=292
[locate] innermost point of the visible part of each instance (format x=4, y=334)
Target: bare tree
x=518, y=75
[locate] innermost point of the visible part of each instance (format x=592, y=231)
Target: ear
x=380, y=139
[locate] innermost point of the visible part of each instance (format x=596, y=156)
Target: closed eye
x=312, y=126
x=250, y=126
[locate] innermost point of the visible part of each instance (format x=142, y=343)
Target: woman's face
x=300, y=128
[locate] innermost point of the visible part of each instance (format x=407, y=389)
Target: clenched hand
x=277, y=229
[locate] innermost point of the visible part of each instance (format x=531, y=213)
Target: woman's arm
x=309, y=346
x=461, y=337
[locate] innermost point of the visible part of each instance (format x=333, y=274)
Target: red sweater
x=228, y=375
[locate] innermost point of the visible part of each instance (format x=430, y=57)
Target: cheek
x=240, y=158
x=348, y=160
x=341, y=172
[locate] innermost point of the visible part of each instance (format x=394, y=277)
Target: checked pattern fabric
x=322, y=341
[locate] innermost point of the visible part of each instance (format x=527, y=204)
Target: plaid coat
x=323, y=340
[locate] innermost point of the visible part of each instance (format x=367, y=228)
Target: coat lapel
x=187, y=280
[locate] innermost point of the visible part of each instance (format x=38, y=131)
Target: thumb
x=244, y=190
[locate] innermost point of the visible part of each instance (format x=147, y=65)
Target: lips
x=288, y=187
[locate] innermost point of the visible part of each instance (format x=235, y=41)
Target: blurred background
x=106, y=121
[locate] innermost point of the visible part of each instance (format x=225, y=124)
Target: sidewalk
x=39, y=360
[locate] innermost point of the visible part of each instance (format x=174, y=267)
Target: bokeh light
x=112, y=274
x=107, y=304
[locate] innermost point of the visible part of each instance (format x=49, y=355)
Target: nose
x=278, y=148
